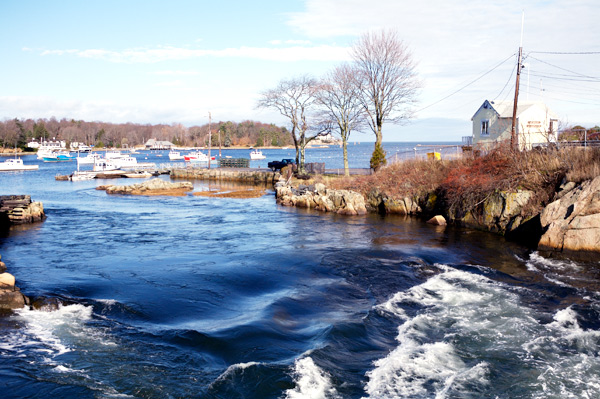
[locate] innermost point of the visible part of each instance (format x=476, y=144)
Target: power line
x=507, y=82
x=564, y=69
x=467, y=85
x=565, y=53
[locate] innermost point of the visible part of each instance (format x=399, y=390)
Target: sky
x=148, y=61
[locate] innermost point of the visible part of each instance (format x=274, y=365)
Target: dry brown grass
x=464, y=184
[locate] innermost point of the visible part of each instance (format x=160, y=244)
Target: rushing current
x=196, y=297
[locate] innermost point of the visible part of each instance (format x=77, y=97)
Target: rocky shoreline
x=568, y=226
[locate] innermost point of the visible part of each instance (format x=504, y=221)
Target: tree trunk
x=345, y=150
x=302, y=156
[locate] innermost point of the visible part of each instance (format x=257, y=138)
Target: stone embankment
x=569, y=226
x=150, y=187
x=19, y=209
x=319, y=197
x=225, y=174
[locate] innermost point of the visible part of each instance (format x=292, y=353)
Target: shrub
x=378, y=158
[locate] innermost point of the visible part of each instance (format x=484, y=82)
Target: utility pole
x=209, y=139
x=514, y=144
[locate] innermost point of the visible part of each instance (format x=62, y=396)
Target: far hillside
x=17, y=133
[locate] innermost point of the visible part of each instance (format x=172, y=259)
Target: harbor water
x=199, y=297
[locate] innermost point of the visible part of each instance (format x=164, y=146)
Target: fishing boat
x=81, y=176
x=103, y=164
x=59, y=156
x=88, y=159
x=16, y=164
x=256, y=155
x=175, y=155
x=196, y=156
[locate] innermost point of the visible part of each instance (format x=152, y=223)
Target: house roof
x=504, y=109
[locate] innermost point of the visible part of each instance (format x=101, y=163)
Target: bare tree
x=387, y=80
x=294, y=99
x=340, y=98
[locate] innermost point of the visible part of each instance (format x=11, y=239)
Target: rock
x=572, y=223
x=2, y=267
x=10, y=300
x=7, y=281
x=319, y=197
x=437, y=220
x=46, y=304
x=150, y=187
x=500, y=213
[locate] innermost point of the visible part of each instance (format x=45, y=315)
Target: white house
x=536, y=124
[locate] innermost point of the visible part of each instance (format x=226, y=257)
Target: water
x=240, y=298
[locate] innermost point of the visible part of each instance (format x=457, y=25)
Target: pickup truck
x=277, y=165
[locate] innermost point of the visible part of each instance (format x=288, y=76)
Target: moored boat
x=175, y=155
x=256, y=154
x=16, y=164
x=196, y=156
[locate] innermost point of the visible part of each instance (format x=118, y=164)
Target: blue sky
x=173, y=62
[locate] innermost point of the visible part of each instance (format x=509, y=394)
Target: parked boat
x=81, y=176
x=196, y=156
x=175, y=155
x=60, y=156
x=256, y=155
x=140, y=174
x=16, y=164
x=88, y=159
x=103, y=164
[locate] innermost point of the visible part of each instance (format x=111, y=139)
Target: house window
x=484, y=128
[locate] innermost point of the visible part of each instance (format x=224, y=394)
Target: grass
x=464, y=184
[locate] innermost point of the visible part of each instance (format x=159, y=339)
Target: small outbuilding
x=536, y=124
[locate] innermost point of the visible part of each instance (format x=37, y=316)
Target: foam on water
x=311, y=382
x=465, y=331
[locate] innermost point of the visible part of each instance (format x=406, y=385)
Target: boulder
x=7, y=281
x=46, y=304
x=12, y=299
x=571, y=224
x=437, y=220
x=150, y=187
x=500, y=213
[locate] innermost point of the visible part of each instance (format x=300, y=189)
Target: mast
x=209, y=139
x=514, y=143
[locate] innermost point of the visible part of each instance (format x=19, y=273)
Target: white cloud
x=175, y=73
x=152, y=55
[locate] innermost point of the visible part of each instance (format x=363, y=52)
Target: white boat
x=88, y=159
x=256, y=154
x=114, y=154
x=16, y=164
x=125, y=162
x=196, y=156
x=81, y=176
x=140, y=174
x=103, y=164
x=47, y=148
x=175, y=155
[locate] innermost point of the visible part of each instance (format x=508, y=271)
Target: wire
x=507, y=82
x=565, y=53
x=564, y=69
x=467, y=85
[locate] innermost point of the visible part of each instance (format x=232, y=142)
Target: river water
x=181, y=297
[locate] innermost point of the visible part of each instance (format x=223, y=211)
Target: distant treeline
x=17, y=133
